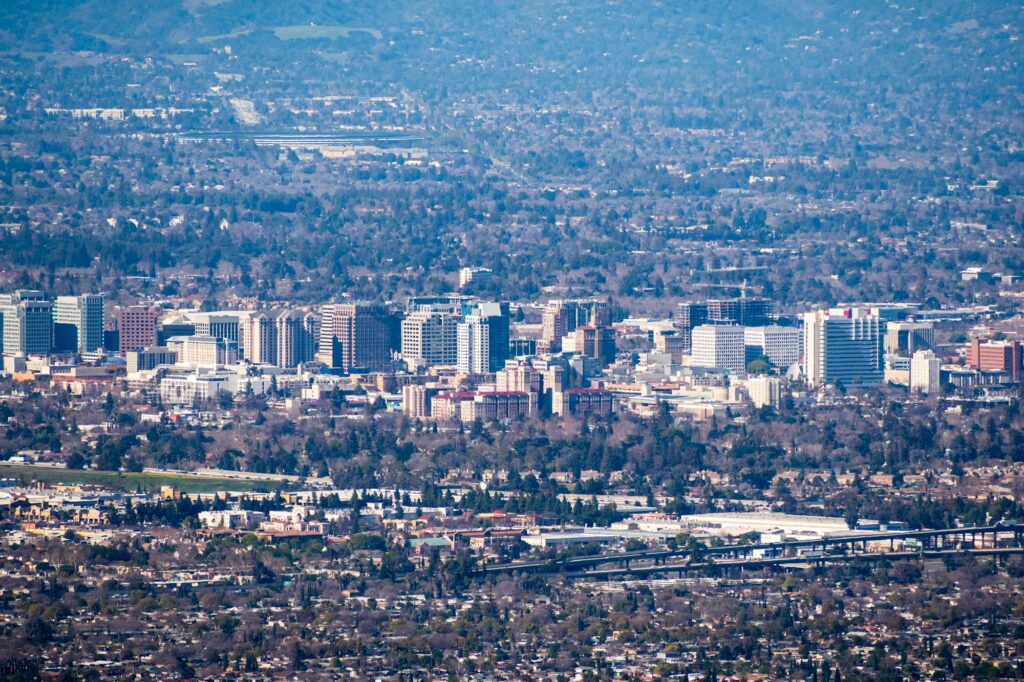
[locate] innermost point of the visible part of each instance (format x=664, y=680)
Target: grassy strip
x=145, y=481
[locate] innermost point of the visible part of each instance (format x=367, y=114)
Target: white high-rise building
x=259, y=339
x=78, y=323
x=781, y=345
x=924, y=372
x=720, y=347
x=843, y=345
x=473, y=346
x=430, y=338
x=296, y=334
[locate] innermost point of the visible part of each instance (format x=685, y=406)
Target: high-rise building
x=596, y=342
x=563, y=317
x=497, y=318
x=78, y=323
x=473, y=341
x=843, y=345
x=259, y=339
x=906, y=338
x=137, y=327
x=27, y=323
x=430, y=338
x=225, y=325
x=295, y=334
x=720, y=347
x=1002, y=356
x=781, y=345
x=359, y=336
x=924, y=372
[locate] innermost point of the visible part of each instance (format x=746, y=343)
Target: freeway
x=795, y=562
x=662, y=555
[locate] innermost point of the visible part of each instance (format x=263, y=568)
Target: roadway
x=662, y=555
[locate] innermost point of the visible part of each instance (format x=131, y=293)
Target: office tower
x=522, y=347
x=78, y=323
x=597, y=343
x=906, y=338
x=219, y=325
x=142, y=360
x=207, y=351
x=720, y=347
x=259, y=339
x=752, y=312
x=563, y=317
x=294, y=338
x=497, y=318
x=843, y=345
x=27, y=323
x=1003, y=356
x=359, y=336
x=924, y=372
x=137, y=327
x=690, y=314
x=755, y=312
x=430, y=338
x=473, y=346
x=781, y=345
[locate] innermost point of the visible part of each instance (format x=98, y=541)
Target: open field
x=146, y=481
x=310, y=32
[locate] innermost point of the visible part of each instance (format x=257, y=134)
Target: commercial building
x=222, y=325
x=185, y=389
x=843, y=345
x=27, y=323
x=563, y=317
x=359, y=336
x=430, y=338
x=906, y=338
x=596, y=342
x=205, y=351
x=78, y=324
x=137, y=327
x=1003, y=356
x=781, y=345
x=151, y=358
x=497, y=319
x=720, y=347
x=924, y=372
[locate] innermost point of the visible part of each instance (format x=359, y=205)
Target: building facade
x=719, y=346
x=78, y=323
x=843, y=345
